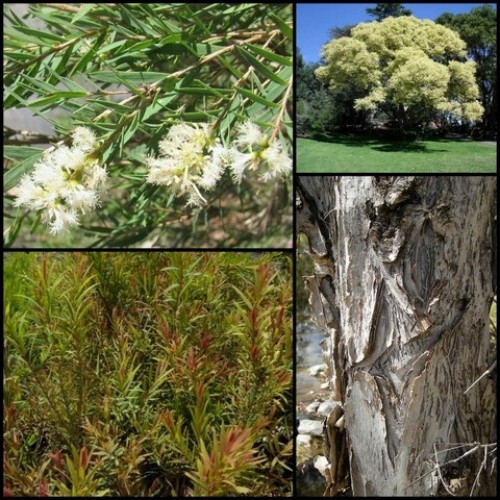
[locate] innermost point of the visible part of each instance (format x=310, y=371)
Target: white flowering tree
x=410, y=69
x=177, y=127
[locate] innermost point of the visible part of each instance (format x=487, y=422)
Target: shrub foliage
x=148, y=374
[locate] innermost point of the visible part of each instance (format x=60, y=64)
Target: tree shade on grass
x=325, y=154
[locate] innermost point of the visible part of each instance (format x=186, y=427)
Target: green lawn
x=343, y=153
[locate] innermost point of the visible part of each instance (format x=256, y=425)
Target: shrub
x=148, y=374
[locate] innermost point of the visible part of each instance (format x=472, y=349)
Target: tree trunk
x=404, y=278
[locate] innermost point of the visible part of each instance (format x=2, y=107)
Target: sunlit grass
x=352, y=154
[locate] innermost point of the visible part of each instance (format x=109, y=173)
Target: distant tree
x=307, y=83
x=315, y=103
x=408, y=68
x=384, y=10
x=478, y=29
x=340, y=31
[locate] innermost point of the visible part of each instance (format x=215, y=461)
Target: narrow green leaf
x=204, y=49
x=89, y=56
x=111, y=47
x=158, y=105
x=129, y=131
x=204, y=90
x=234, y=71
x=256, y=98
x=20, y=152
x=14, y=174
x=45, y=101
x=284, y=27
x=11, y=232
x=109, y=104
x=38, y=85
x=260, y=67
x=286, y=61
x=131, y=77
x=72, y=85
x=82, y=12
x=30, y=35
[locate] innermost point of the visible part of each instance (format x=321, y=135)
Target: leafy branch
x=131, y=72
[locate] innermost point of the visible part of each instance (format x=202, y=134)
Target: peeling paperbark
x=403, y=281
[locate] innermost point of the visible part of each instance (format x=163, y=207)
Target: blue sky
x=314, y=21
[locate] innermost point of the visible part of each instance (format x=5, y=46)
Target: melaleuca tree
x=177, y=128
x=343, y=100
x=403, y=280
x=408, y=68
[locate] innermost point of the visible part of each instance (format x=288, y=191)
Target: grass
x=344, y=153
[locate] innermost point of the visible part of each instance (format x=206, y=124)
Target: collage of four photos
x=249, y=250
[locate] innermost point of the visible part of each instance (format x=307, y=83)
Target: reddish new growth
x=57, y=459
x=84, y=457
x=165, y=332
x=43, y=488
x=168, y=418
x=254, y=353
x=205, y=341
x=192, y=362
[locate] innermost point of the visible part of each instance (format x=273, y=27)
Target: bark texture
x=404, y=278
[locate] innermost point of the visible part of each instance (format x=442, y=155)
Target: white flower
x=278, y=162
x=249, y=135
x=65, y=182
x=84, y=139
x=59, y=218
x=215, y=165
x=239, y=163
x=189, y=159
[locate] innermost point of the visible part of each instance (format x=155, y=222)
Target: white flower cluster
x=253, y=148
x=191, y=158
x=66, y=182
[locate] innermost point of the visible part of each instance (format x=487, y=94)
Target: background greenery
x=130, y=71
x=147, y=374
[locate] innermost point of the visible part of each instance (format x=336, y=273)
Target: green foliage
x=407, y=68
x=181, y=385
x=129, y=73
x=316, y=108
x=478, y=29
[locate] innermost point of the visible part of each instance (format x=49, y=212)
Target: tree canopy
x=411, y=69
